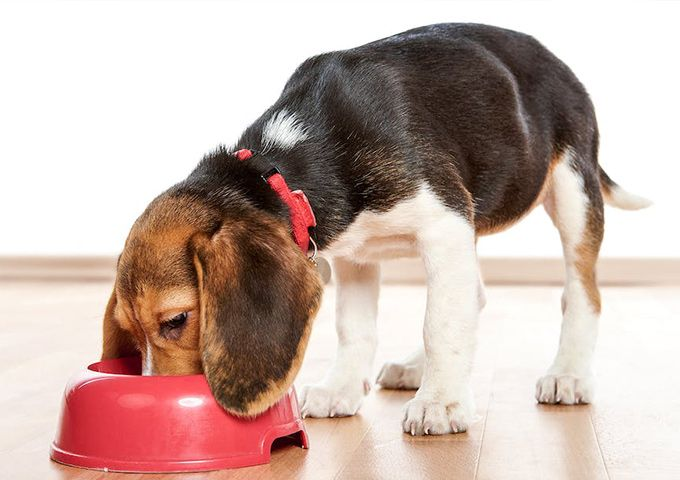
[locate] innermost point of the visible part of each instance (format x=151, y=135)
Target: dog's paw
x=425, y=416
x=400, y=376
x=323, y=400
x=565, y=389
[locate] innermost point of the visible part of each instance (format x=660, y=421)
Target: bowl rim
x=91, y=369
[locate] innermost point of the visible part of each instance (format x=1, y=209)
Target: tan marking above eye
x=175, y=301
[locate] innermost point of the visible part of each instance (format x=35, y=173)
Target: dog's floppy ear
x=117, y=342
x=258, y=296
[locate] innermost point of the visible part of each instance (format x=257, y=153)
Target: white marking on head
x=147, y=368
x=283, y=130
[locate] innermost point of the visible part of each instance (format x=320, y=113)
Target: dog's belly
x=489, y=225
x=374, y=246
x=376, y=236
x=385, y=248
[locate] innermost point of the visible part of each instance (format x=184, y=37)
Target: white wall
x=103, y=105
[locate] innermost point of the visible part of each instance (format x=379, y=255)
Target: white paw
x=322, y=400
x=424, y=416
x=400, y=376
x=565, y=389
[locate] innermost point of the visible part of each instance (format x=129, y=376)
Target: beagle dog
x=414, y=145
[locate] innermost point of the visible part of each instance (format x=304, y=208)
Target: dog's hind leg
x=344, y=387
x=404, y=375
x=574, y=203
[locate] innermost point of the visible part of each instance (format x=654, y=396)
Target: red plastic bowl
x=114, y=419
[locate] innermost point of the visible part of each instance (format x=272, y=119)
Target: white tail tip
x=620, y=198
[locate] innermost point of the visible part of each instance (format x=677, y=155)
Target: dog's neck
x=309, y=166
x=230, y=183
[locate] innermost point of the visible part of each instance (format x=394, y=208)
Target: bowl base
x=288, y=435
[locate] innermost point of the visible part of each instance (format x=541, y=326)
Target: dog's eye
x=171, y=326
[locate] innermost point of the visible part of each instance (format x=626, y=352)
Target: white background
x=103, y=105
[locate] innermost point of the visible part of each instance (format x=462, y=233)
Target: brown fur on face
x=249, y=292
x=117, y=341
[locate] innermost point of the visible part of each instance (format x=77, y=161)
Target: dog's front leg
x=444, y=402
x=347, y=382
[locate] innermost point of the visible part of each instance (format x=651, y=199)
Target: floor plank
x=537, y=441
x=48, y=330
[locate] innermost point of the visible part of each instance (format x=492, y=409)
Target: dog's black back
x=476, y=113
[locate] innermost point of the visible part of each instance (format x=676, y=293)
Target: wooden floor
x=48, y=330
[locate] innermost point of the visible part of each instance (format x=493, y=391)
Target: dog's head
x=222, y=291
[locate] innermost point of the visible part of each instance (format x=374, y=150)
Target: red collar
x=300, y=211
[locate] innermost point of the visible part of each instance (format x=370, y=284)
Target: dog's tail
x=617, y=197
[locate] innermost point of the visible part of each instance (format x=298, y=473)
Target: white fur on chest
x=375, y=236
